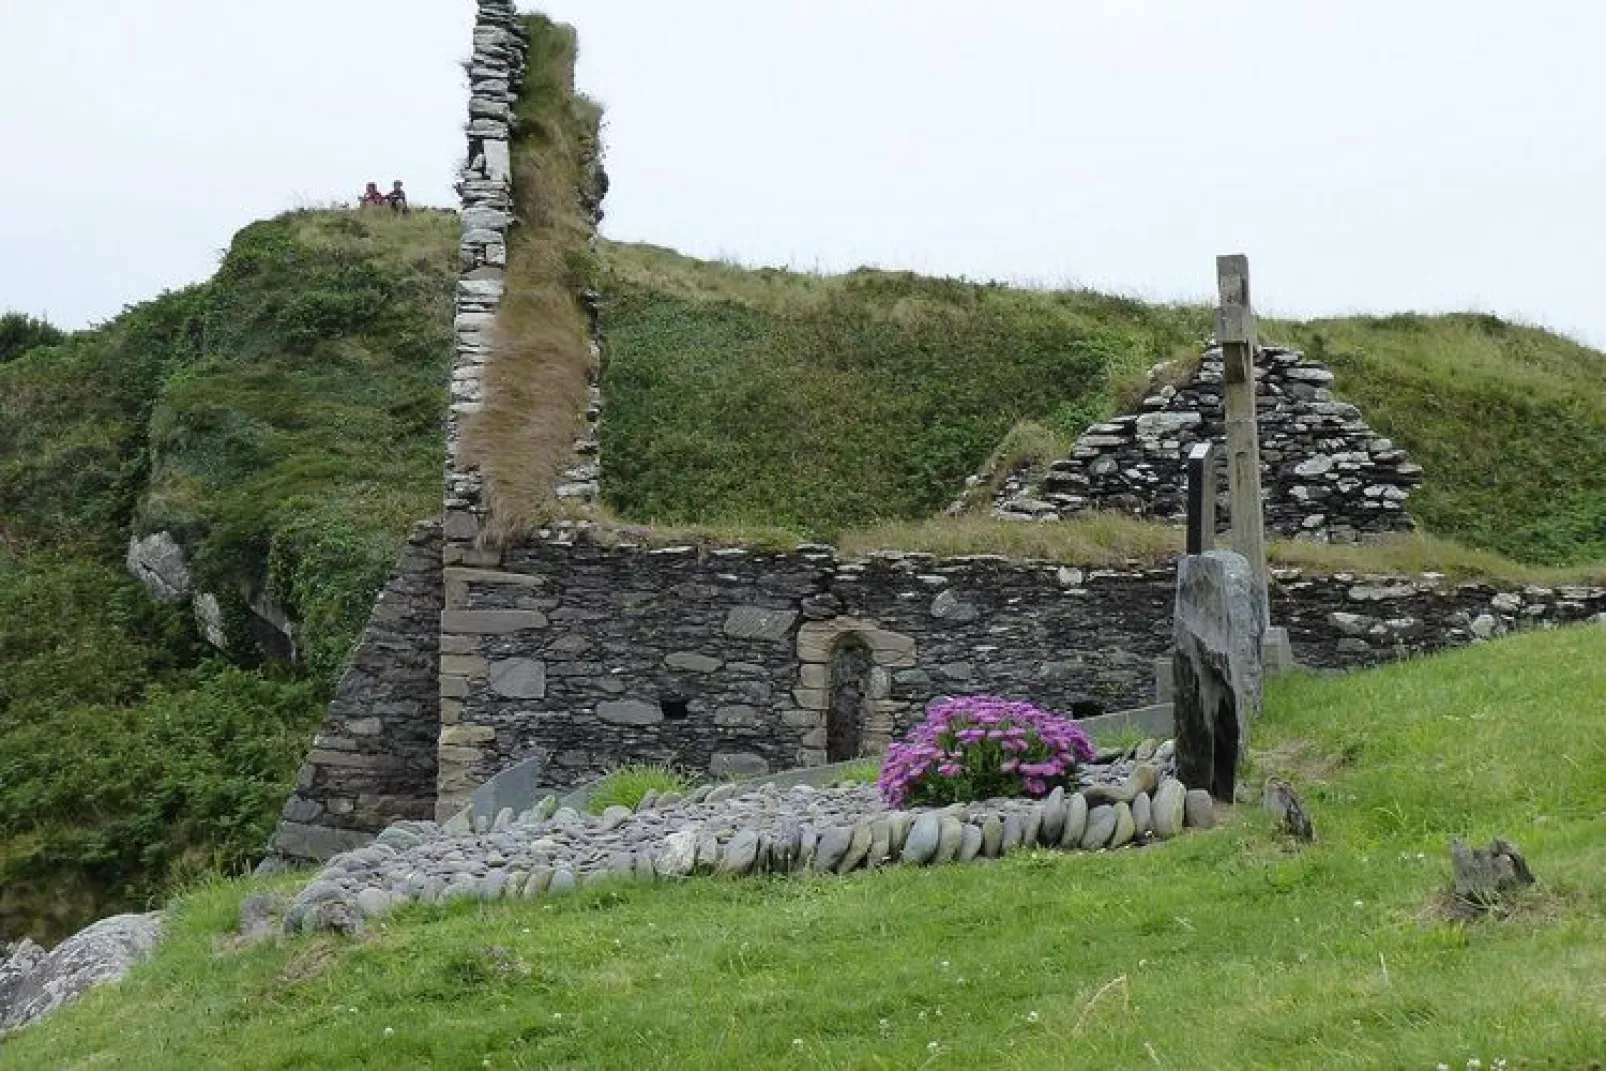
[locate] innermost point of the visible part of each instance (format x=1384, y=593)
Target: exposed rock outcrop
x=34, y=983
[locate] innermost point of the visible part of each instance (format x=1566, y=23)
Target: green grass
x=1229, y=949
x=830, y=403
x=626, y=786
x=818, y=403
x=1508, y=423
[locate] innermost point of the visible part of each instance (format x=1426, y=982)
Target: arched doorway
x=850, y=663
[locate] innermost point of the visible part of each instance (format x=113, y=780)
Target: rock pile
x=1327, y=475
x=734, y=830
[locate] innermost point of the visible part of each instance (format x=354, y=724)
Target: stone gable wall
x=373, y=761
x=1325, y=474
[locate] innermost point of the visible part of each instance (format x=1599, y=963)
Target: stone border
x=730, y=831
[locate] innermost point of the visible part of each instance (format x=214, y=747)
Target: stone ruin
x=575, y=649
x=1326, y=475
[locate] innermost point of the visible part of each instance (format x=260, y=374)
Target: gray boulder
x=33, y=983
x=1220, y=621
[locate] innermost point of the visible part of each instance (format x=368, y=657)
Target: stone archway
x=847, y=662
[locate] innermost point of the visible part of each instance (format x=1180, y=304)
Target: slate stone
x=1014, y=833
x=629, y=712
x=1048, y=833
x=1100, y=827
x=1166, y=812
x=924, y=838
x=759, y=623
x=1219, y=620
x=1075, y=820
x=1142, y=817
x=950, y=835
x=739, y=854
x=1125, y=827
x=858, y=849
x=832, y=846
x=992, y=836
x=517, y=678
x=969, y=843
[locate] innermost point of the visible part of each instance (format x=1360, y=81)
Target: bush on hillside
x=975, y=747
x=20, y=332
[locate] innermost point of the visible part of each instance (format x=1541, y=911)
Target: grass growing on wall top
x=819, y=403
x=537, y=378
x=1223, y=949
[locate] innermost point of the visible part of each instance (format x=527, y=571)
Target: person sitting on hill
x=397, y=197
x=371, y=196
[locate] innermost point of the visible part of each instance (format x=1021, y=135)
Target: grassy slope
x=821, y=403
x=284, y=418
x=832, y=403
x=1226, y=949
x=1507, y=422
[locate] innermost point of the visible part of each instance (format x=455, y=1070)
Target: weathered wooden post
x=1235, y=333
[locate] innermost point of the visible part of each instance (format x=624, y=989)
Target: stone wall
x=730, y=661
x=1325, y=474
x=374, y=759
x=495, y=72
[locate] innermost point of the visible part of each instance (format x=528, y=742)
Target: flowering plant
x=973, y=747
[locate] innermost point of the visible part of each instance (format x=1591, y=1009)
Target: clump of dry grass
x=1095, y=539
x=541, y=364
x=1028, y=443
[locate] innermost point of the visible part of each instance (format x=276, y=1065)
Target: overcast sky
x=1367, y=155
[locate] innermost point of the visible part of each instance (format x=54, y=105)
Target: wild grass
x=628, y=785
x=1115, y=540
x=541, y=363
x=818, y=403
x=1508, y=423
x=1231, y=948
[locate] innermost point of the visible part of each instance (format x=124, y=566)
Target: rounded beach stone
x=563, y=881
x=1032, y=826
x=515, y=884
x=950, y=836
x=1166, y=813
x=1142, y=813
x=969, y=842
x=707, y=852
x=1075, y=821
x=833, y=845
x=538, y=882
x=1199, y=810
x=788, y=842
x=1125, y=827
x=1014, y=833
x=992, y=836
x=643, y=867
x=614, y=817
x=1100, y=827
x=858, y=849
x=898, y=828
x=374, y=902
x=1048, y=834
x=678, y=855
x=924, y=835
x=880, y=843
x=738, y=856
x=807, y=842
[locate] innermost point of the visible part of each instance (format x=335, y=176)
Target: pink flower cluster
x=974, y=747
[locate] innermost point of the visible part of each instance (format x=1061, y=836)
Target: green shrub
x=626, y=786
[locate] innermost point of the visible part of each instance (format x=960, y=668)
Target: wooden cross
x=1235, y=332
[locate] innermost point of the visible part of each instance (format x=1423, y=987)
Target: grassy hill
x=1222, y=949
x=832, y=403
x=284, y=421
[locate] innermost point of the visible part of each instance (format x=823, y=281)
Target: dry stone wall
x=581, y=656
x=1325, y=474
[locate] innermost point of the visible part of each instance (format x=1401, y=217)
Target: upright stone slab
x=1219, y=623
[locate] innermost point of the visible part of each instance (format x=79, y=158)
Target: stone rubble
x=736, y=830
x=1327, y=475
